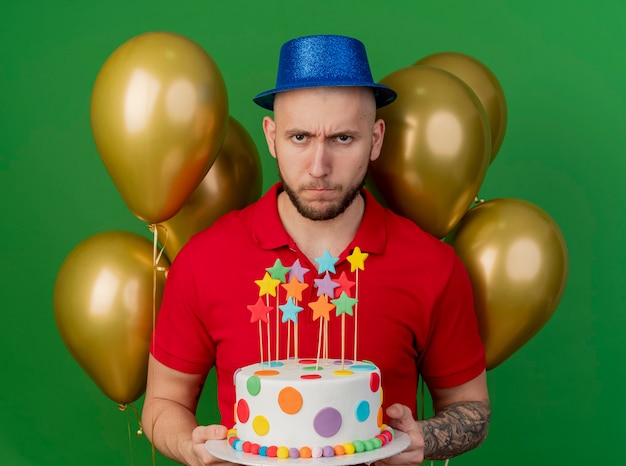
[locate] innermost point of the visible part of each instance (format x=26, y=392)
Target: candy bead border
x=272, y=451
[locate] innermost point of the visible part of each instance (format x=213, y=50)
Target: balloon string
x=154, y=228
x=123, y=407
x=130, y=440
x=156, y=258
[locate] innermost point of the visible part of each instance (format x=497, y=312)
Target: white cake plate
x=221, y=449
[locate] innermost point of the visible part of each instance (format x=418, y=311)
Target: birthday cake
x=308, y=407
x=302, y=409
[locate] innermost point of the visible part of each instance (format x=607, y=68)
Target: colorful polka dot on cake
x=253, y=385
x=290, y=400
x=362, y=411
x=327, y=422
x=374, y=382
x=260, y=425
x=243, y=411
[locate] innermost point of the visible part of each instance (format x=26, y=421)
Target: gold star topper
x=267, y=285
x=357, y=259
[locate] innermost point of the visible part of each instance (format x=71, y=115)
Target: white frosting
x=340, y=405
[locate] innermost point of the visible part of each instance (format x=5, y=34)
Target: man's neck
x=313, y=237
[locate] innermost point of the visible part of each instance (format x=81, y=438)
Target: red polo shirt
x=414, y=313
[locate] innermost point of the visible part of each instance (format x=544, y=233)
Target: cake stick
x=343, y=340
x=356, y=312
x=321, y=309
x=260, y=312
x=269, y=350
x=277, y=321
x=326, y=338
x=295, y=340
x=288, y=339
x=357, y=261
x=327, y=335
x=267, y=286
x=319, y=344
x=261, y=342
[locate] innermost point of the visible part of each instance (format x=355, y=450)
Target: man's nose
x=320, y=160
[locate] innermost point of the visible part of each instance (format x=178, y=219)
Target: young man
x=415, y=303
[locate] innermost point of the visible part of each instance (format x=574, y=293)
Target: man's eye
x=344, y=139
x=298, y=137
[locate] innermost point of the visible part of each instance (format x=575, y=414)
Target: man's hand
x=199, y=436
x=169, y=419
x=401, y=418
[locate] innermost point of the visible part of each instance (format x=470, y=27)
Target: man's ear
x=378, y=134
x=269, y=129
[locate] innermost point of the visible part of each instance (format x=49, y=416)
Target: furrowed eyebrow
x=293, y=132
x=351, y=134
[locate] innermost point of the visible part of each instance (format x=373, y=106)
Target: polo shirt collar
x=371, y=236
x=269, y=232
x=267, y=229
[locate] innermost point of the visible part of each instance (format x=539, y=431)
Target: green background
x=557, y=401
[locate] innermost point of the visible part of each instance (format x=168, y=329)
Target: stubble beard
x=328, y=212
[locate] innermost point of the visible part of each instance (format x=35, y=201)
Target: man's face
x=323, y=140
